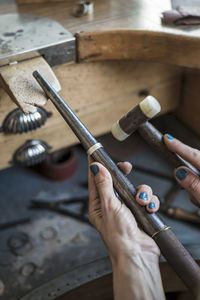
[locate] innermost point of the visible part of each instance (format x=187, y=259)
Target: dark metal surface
x=71, y=280
x=50, y=243
x=62, y=244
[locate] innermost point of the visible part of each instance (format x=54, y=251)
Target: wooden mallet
x=137, y=119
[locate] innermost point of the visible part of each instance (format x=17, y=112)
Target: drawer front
x=99, y=93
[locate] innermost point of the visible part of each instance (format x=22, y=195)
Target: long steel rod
x=171, y=248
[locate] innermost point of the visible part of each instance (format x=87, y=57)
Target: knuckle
x=148, y=188
x=101, y=182
x=91, y=219
x=194, y=184
x=195, y=153
x=102, y=179
x=111, y=205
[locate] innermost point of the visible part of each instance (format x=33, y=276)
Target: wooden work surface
x=98, y=100
x=101, y=92
x=122, y=30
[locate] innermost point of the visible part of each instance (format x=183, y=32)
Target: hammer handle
x=155, y=139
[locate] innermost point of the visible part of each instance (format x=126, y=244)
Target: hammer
x=137, y=119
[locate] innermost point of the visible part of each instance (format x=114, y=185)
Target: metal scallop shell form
x=31, y=153
x=18, y=122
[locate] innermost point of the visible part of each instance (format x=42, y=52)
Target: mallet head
x=129, y=123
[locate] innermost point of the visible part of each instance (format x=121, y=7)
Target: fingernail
x=94, y=169
x=169, y=136
x=181, y=174
x=143, y=196
x=116, y=194
x=152, y=205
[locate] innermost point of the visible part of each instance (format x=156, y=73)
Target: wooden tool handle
x=155, y=139
x=180, y=260
x=181, y=214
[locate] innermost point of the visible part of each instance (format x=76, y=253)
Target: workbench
x=123, y=52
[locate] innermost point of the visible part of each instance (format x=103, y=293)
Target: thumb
x=189, y=181
x=104, y=186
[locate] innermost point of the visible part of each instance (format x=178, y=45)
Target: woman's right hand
x=186, y=178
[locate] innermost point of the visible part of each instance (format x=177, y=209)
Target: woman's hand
x=187, y=179
x=114, y=220
x=134, y=255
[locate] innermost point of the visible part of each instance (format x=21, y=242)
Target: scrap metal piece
x=83, y=8
x=24, y=36
x=18, y=122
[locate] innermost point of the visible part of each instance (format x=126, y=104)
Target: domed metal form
x=18, y=122
x=31, y=153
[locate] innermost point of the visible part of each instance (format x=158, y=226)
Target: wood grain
x=122, y=30
x=99, y=93
x=139, y=45
x=189, y=110
x=37, y=1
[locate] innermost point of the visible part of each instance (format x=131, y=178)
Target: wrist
x=140, y=270
x=142, y=246
x=124, y=255
x=136, y=258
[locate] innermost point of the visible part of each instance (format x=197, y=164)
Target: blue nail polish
x=181, y=174
x=116, y=194
x=94, y=169
x=152, y=205
x=143, y=196
x=169, y=136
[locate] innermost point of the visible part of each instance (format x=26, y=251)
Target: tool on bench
x=62, y=207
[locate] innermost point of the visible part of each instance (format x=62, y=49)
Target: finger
x=104, y=187
x=144, y=194
x=125, y=167
x=95, y=212
x=188, y=153
x=154, y=204
x=189, y=181
x=91, y=183
x=194, y=201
